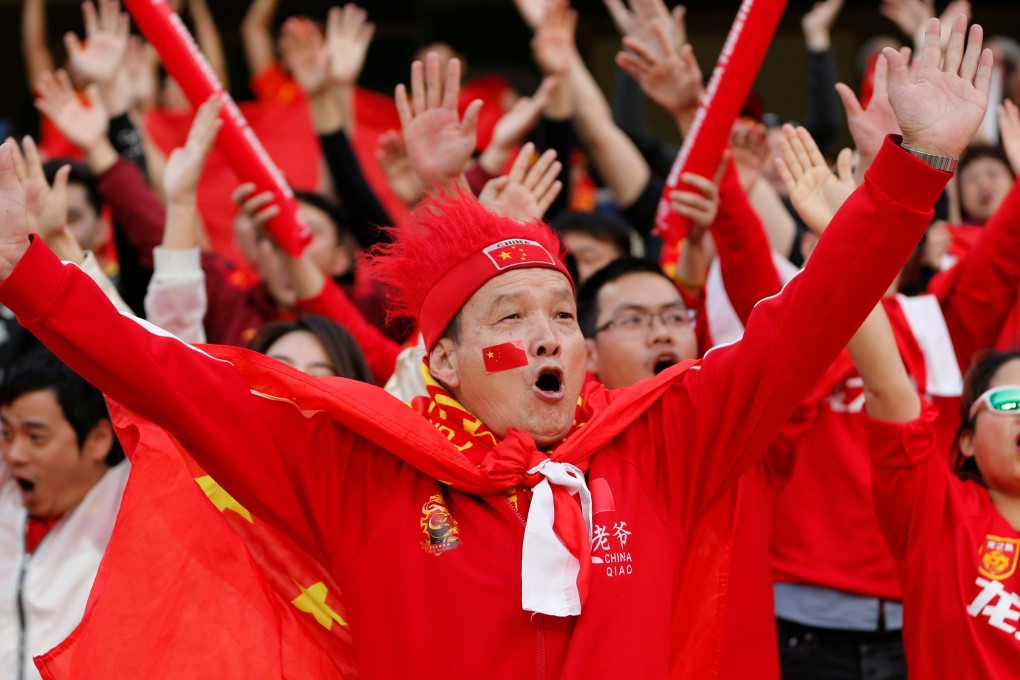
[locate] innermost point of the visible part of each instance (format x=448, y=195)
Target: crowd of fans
x=872, y=531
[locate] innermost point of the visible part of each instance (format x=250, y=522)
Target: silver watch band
x=944, y=163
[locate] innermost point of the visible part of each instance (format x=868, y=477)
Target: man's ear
x=593, y=355
x=98, y=442
x=443, y=363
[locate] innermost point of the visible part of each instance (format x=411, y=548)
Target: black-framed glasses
x=679, y=319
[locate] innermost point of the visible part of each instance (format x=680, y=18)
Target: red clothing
x=331, y=475
x=826, y=531
x=749, y=644
x=988, y=277
x=955, y=554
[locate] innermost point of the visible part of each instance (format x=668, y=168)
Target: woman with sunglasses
x=953, y=532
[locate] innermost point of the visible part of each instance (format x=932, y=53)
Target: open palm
x=106, y=34
x=941, y=107
x=815, y=192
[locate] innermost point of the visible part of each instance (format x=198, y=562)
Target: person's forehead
x=522, y=283
x=579, y=240
x=39, y=407
x=985, y=165
x=638, y=290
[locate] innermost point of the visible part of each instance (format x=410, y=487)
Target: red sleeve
x=745, y=256
x=136, y=208
x=287, y=466
x=911, y=482
x=983, y=285
x=380, y=352
x=722, y=418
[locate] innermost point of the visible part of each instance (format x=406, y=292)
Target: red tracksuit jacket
x=339, y=487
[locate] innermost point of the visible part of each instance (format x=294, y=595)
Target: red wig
x=441, y=249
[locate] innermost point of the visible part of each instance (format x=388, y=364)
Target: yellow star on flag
x=220, y=498
x=491, y=355
x=504, y=255
x=312, y=600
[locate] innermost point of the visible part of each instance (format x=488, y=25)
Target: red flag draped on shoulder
x=184, y=61
x=193, y=586
x=731, y=82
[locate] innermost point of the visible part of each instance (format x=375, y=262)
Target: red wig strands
x=439, y=233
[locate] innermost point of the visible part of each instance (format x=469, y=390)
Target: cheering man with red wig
x=514, y=523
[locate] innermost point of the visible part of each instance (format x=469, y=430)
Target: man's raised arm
x=261, y=450
x=742, y=394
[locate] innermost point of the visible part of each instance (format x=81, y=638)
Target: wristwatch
x=944, y=163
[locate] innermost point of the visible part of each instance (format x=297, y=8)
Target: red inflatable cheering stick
x=727, y=91
x=246, y=155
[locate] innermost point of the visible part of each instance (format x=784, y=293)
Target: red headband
x=456, y=286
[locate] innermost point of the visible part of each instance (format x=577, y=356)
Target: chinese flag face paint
x=504, y=357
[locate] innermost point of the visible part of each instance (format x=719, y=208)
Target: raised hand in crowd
x=176, y=299
x=702, y=205
x=553, y=46
x=302, y=49
x=141, y=68
x=616, y=158
x=45, y=205
x=44, y=211
x=526, y=192
x=84, y=123
x=348, y=35
x=671, y=77
x=102, y=57
x=817, y=24
x=513, y=127
x=637, y=19
x=182, y=172
x=439, y=141
x=255, y=210
x=869, y=126
x=911, y=16
x=750, y=148
x=941, y=106
x=392, y=156
x=1009, y=133
x=816, y=193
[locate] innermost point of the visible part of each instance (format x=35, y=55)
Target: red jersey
x=955, y=554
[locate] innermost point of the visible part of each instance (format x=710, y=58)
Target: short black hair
x=82, y=404
x=588, y=293
x=598, y=225
x=975, y=383
x=342, y=350
x=976, y=152
x=80, y=174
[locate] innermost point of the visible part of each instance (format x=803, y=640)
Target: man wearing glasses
x=635, y=323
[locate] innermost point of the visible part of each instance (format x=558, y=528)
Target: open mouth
x=549, y=384
x=26, y=485
x=663, y=362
